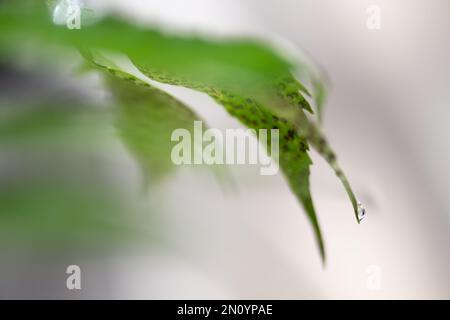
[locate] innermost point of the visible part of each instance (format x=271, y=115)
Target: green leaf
x=146, y=117
x=294, y=137
x=294, y=160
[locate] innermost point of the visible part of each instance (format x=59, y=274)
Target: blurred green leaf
x=146, y=117
x=238, y=66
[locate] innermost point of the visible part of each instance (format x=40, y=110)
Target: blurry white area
x=218, y=17
x=386, y=117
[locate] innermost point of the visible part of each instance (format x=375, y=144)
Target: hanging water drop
x=361, y=212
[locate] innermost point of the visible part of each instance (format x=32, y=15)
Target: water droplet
x=361, y=212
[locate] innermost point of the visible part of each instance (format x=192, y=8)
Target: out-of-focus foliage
x=248, y=78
